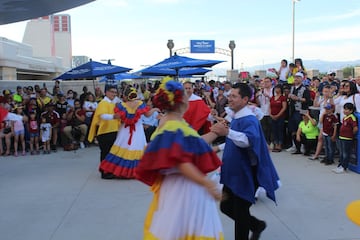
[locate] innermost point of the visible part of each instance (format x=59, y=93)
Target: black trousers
x=238, y=209
x=309, y=144
x=105, y=143
x=266, y=127
x=148, y=132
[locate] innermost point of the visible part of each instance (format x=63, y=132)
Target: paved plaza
x=61, y=197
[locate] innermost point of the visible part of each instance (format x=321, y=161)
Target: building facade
x=50, y=36
x=44, y=53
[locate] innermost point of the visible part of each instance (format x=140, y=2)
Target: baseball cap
x=299, y=74
x=328, y=106
x=7, y=92
x=331, y=72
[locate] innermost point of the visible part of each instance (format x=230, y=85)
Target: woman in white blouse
x=89, y=106
x=349, y=95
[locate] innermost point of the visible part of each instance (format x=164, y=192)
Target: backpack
x=71, y=147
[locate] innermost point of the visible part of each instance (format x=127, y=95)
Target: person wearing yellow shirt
x=105, y=125
x=43, y=99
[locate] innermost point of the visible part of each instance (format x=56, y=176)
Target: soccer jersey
x=346, y=129
x=329, y=122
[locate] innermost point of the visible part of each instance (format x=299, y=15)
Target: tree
x=348, y=71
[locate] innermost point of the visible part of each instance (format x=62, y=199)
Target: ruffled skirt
x=182, y=210
x=124, y=157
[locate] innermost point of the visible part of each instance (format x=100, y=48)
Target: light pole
x=170, y=44
x=110, y=77
x=293, y=29
x=232, y=47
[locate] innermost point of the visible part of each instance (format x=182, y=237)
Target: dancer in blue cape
x=247, y=165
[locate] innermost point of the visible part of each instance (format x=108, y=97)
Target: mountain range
x=321, y=65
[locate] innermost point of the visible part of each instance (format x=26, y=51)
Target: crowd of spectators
x=293, y=108
x=309, y=116
x=299, y=114
x=53, y=119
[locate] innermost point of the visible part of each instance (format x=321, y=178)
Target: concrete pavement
x=61, y=196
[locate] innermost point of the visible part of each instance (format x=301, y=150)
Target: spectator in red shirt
x=33, y=126
x=329, y=126
x=278, y=105
x=6, y=95
x=52, y=117
x=76, y=120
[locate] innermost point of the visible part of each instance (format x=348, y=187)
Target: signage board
x=202, y=46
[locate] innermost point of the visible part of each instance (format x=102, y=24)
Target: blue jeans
x=277, y=127
x=329, y=148
x=345, y=152
x=294, y=121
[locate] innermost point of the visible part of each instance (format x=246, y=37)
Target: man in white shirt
x=263, y=101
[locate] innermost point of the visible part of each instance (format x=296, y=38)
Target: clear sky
x=135, y=32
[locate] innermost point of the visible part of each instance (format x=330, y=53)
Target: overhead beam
x=15, y=11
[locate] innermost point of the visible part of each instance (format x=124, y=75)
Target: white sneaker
x=82, y=145
x=339, y=169
x=291, y=149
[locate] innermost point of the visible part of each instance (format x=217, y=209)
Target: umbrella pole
x=177, y=75
x=94, y=85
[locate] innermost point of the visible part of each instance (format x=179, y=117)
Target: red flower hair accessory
x=169, y=95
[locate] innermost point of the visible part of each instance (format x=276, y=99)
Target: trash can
x=354, y=163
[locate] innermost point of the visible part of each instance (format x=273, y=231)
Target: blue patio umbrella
x=183, y=72
x=120, y=77
x=177, y=63
x=91, y=70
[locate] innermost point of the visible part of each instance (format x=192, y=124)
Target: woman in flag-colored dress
x=175, y=164
x=130, y=141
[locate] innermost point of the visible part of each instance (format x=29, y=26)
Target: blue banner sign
x=202, y=46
